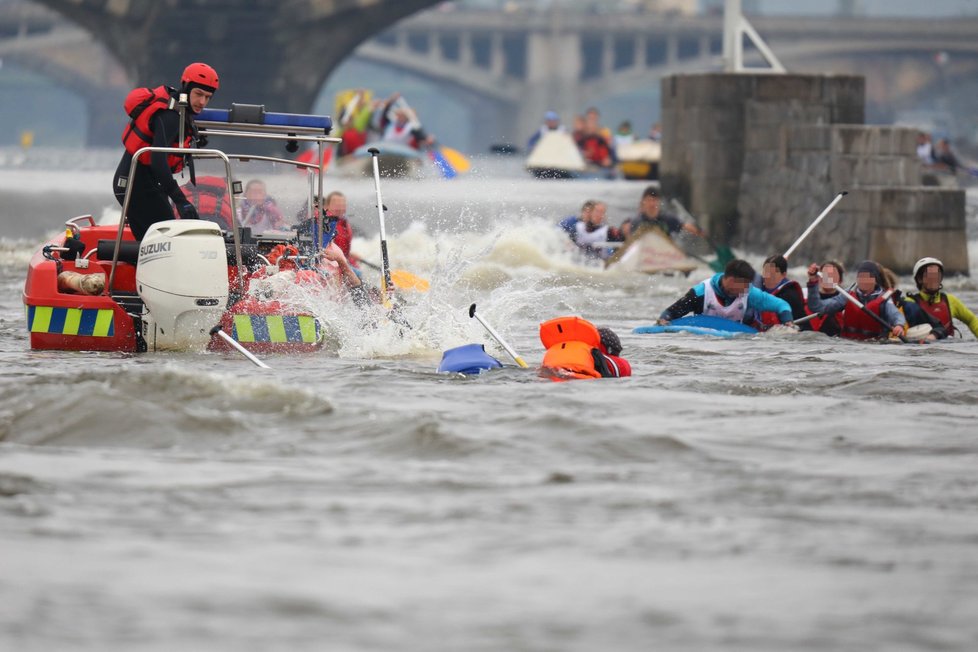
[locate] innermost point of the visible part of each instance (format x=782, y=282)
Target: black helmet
x=609, y=340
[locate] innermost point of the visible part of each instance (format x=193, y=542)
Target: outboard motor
x=182, y=278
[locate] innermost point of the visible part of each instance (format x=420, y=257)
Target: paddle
x=854, y=301
x=402, y=279
x=385, y=271
x=812, y=226
x=495, y=335
x=217, y=330
x=723, y=253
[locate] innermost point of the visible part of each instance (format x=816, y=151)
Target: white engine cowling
x=182, y=278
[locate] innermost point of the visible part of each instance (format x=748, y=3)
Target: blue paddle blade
x=442, y=163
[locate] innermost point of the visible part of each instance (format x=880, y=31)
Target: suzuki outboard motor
x=182, y=278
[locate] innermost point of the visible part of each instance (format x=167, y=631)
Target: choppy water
x=775, y=493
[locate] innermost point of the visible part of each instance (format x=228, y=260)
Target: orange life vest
x=570, y=344
x=141, y=105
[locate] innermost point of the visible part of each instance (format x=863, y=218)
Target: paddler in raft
x=730, y=295
x=650, y=214
x=578, y=350
x=855, y=322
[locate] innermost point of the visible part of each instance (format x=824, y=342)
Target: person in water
x=856, y=323
x=589, y=229
x=731, y=295
x=576, y=349
x=155, y=121
x=334, y=212
x=650, y=214
x=775, y=281
x=610, y=349
x=930, y=305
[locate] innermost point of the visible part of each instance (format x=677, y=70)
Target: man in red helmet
x=155, y=120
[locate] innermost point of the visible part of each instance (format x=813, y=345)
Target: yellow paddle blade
x=457, y=159
x=407, y=281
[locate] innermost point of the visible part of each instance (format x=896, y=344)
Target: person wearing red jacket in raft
x=576, y=349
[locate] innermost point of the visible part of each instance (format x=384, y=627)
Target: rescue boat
x=95, y=288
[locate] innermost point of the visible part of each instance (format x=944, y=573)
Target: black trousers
x=148, y=203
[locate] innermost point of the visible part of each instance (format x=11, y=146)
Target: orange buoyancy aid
x=857, y=325
x=570, y=344
x=141, y=105
x=768, y=318
x=940, y=310
x=210, y=196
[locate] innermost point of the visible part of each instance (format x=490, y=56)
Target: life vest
x=940, y=309
x=211, y=199
x=769, y=318
x=571, y=344
x=857, y=325
x=594, y=149
x=736, y=311
x=141, y=105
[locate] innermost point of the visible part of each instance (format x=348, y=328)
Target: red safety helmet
x=202, y=75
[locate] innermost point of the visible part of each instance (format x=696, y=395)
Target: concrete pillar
x=497, y=58
x=672, y=49
x=465, y=49
x=553, y=68
x=608, y=55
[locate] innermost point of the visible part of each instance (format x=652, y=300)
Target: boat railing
x=242, y=121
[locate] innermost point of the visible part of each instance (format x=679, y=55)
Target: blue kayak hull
x=700, y=325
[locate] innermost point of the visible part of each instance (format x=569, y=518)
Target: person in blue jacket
x=730, y=295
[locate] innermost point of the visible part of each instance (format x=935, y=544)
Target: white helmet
x=918, y=268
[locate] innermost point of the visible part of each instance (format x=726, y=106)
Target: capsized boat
x=651, y=251
x=95, y=288
x=395, y=160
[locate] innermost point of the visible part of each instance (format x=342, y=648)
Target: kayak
x=700, y=325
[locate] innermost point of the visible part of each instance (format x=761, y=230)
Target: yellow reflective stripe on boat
x=81, y=322
x=72, y=321
x=276, y=328
x=42, y=319
x=103, y=323
x=308, y=327
x=242, y=328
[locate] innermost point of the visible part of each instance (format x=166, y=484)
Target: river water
x=767, y=493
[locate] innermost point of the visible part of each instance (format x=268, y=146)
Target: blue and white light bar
x=255, y=115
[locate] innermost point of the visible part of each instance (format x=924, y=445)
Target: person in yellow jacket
x=939, y=309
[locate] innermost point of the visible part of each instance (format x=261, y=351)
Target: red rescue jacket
x=141, y=105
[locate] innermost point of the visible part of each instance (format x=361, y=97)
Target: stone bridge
x=512, y=65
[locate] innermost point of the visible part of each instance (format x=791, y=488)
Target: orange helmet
x=202, y=75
